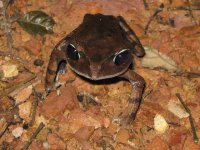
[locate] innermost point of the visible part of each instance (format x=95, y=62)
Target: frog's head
x=98, y=48
x=98, y=66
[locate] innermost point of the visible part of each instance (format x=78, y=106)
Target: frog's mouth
x=98, y=76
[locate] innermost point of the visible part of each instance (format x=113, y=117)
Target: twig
x=4, y=127
x=34, y=107
x=183, y=8
x=160, y=20
x=16, y=105
x=9, y=90
x=145, y=4
x=18, y=59
x=7, y=25
x=24, y=62
x=153, y=16
x=187, y=74
x=37, y=131
x=147, y=93
x=195, y=137
x=174, y=124
x=190, y=12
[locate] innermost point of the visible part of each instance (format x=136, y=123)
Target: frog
x=100, y=48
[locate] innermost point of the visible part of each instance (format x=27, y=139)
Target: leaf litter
x=61, y=121
x=154, y=59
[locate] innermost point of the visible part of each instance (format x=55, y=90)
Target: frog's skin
x=100, y=47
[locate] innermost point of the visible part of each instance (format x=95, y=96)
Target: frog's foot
x=138, y=84
x=56, y=65
x=128, y=115
x=87, y=100
x=105, y=143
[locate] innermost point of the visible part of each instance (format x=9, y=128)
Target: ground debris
x=33, y=118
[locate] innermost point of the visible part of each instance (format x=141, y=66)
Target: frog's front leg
x=138, y=85
x=57, y=64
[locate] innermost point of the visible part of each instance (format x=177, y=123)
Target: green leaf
x=37, y=22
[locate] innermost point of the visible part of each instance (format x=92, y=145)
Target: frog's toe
x=50, y=87
x=62, y=71
x=123, y=120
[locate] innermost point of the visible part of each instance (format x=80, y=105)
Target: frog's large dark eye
x=121, y=57
x=72, y=53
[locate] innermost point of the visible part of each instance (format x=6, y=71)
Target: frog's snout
x=94, y=72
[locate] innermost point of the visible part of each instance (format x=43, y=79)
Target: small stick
x=188, y=74
x=14, y=87
x=190, y=12
x=34, y=108
x=4, y=127
x=16, y=105
x=153, y=16
x=183, y=8
x=160, y=20
x=7, y=27
x=37, y=131
x=195, y=137
x=8, y=54
x=145, y=4
x=16, y=58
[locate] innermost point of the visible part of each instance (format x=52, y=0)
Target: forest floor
x=169, y=114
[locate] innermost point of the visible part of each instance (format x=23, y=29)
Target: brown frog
x=100, y=47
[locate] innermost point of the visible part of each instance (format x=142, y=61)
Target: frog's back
x=100, y=35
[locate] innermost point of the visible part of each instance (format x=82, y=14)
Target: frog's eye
x=121, y=57
x=72, y=53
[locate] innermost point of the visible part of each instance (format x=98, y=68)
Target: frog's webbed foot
x=137, y=47
x=57, y=65
x=138, y=84
x=86, y=100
